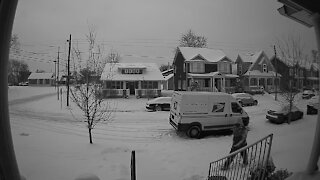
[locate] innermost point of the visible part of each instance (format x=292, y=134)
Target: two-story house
x=296, y=75
x=210, y=69
x=125, y=79
x=257, y=72
x=312, y=76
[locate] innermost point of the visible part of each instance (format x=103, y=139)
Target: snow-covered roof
x=169, y=71
x=168, y=77
x=250, y=57
x=213, y=74
x=41, y=76
x=211, y=55
x=151, y=72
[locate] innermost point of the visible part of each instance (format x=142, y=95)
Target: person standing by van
x=239, y=141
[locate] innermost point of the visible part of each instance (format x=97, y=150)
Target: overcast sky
x=148, y=30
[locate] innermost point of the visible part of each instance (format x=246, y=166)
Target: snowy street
x=51, y=141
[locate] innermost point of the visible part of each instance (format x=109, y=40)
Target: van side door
x=235, y=113
x=216, y=117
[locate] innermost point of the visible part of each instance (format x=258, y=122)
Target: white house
x=125, y=79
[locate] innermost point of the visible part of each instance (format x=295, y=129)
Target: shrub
x=280, y=174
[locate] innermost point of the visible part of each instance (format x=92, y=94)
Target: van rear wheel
x=194, y=132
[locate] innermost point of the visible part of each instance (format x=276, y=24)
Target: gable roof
x=112, y=71
x=250, y=57
x=210, y=55
x=41, y=76
x=255, y=58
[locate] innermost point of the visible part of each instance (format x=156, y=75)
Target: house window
x=40, y=81
x=179, y=84
x=131, y=71
x=114, y=84
x=184, y=67
x=269, y=81
x=197, y=67
x=264, y=68
x=224, y=67
x=149, y=85
x=253, y=82
x=47, y=81
x=240, y=69
x=290, y=72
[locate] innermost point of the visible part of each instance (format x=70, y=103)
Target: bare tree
x=292, y=53
x=289, y=99
x=165, y=67
x=15, y=44
x=113, y=57
x=190, y=39
x=88, y=95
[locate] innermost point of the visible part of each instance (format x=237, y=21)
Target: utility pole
x=55, y=74
x=275, y=63
x=58, y=72
x=68, y=76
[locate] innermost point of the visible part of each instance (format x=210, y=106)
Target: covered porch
x=261, y=83
x=212, y=82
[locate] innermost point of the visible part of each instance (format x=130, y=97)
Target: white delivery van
x=195, y=112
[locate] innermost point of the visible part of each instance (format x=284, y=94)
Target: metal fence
x=258, y=155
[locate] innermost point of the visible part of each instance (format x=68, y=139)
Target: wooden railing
x=150, y=93
x=115, y=92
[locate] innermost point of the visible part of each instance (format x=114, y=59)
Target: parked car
x=24, y=83
x=245, y=99
x=307, y=94
x=159, y=104
x=280, y=116
x=313, y=105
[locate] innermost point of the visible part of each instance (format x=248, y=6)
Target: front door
x=131, y=87
x=217, y=83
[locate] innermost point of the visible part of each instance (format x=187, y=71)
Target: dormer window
x=240, y=69
x=264, y=69
x=131, y=71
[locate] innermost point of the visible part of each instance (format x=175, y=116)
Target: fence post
x=133, y=166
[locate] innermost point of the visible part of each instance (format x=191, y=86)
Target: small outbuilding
x=41, y=79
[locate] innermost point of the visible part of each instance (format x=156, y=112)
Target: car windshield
x=307, y=92
x=241, y=95
x=162, y=99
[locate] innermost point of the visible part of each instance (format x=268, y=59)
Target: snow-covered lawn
x=52, y=143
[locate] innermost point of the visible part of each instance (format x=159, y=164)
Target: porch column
x=223, y=83
x=213, y=85
x=258, y=83
x=139, y=84
x=265, y=83
x=124, y=85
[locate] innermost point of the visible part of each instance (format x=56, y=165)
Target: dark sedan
x=282, y=115
x=307, y=94
x=159, y=104
x=313, y=105
x=245, y=99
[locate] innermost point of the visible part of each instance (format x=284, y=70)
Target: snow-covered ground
x=51, y=141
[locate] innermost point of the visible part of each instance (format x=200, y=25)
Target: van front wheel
x=194, y=132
